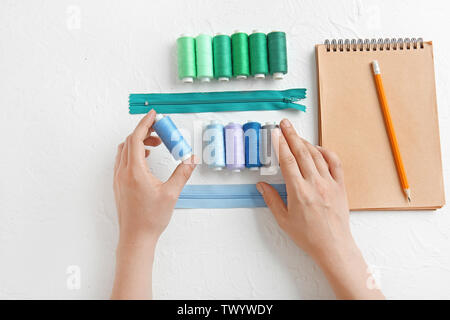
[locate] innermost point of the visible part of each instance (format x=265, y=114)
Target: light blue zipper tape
x=224, y=196
x=217, y=101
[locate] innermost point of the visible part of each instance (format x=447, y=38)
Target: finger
x=118, y=156
x=288, y=164
x=136, y=149
x=152, y=141
x=299, y=150
x=147, y=153
x=145, y=125
x=334, y=164
x=272, y=200
x=180, y=176
x=319, y=161
x=124, y=157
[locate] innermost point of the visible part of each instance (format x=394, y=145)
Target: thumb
x=180, y=176
x=272, y=199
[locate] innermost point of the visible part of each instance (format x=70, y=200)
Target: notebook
x=351, y=121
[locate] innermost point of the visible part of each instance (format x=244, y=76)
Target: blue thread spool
x=172, y=138
x=214, y=150
x=252, y=144
x=234, y=147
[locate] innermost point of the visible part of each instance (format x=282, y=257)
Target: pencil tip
x=408, y=194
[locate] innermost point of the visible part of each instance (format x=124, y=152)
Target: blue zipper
x=213, y=196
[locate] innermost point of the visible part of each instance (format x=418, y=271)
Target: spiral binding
x=373, y=44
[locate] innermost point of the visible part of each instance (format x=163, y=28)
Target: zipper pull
x=289, y=100
x=292, y=99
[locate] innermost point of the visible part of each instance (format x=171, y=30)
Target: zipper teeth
x=225, y=196
x=285, y=100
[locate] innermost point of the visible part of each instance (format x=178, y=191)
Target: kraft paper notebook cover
x=351, y=121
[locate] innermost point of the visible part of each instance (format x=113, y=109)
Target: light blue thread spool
x=214, y=151
x=172, y=138
x=234, y=147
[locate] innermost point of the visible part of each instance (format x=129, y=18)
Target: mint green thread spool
x=223, y=69
x=276, y=45
x=257, y=43
x=241, y=59
x=204, y=55
x=186, y=58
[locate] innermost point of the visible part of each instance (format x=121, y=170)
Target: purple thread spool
x=234, y=147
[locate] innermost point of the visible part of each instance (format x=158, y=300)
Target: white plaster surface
x=66, y=69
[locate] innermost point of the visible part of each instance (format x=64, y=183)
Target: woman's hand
x=317, y=216
x=144, y=203
x=144, y=206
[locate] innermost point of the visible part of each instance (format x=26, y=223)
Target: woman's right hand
x=317, y=215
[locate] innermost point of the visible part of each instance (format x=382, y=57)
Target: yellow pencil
x=390, y=131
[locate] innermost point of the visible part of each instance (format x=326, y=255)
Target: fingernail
x=192, y=161
x=260, y=188
x=286, y=123
x=195, y=160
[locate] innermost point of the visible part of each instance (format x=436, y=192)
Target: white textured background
x=66, y=69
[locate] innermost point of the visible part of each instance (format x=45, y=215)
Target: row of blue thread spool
x=233, y=146
x=236, y=147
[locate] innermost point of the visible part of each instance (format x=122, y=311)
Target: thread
x=241, y=59
x=259, y=66
x=204, y=56
x=186, y=58
x=172, y=138
x=234, y=147
x=252, y=141
x=222, y=57
x=268, y=156
x=214, y=150
x=276, y=45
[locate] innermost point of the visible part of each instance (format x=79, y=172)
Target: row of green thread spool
x=222, y=57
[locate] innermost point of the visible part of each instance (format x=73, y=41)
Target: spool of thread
x=241, y=59
x=259, y=66
x=214, y=150
x=222, y=57
x=186, y=58
x=172, y=138
x=234, y=147
x=276, y=45
x=268, y=156
x=204, y=55
x=252, y=141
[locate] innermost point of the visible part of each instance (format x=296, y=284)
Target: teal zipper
x=217, y=101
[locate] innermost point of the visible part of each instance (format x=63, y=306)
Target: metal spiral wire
x=387, y=44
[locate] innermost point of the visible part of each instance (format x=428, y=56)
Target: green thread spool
x=222, y=57
x=259, y=66
x=241, y=60
x=186, y=58
x=276, y=44
x=204, y=53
